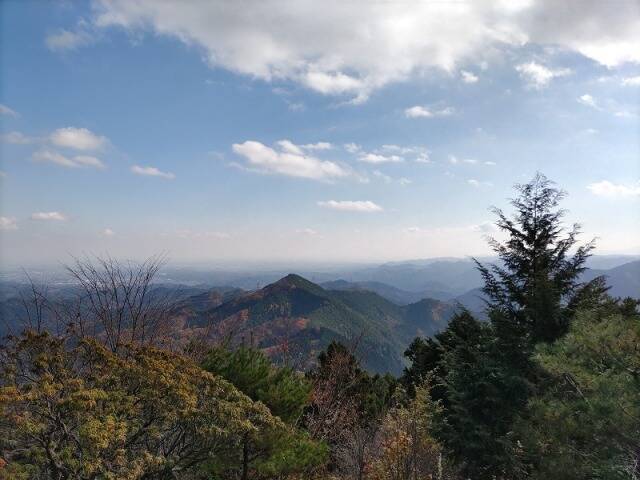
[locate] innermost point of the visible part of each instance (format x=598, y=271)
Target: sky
x=298, y=130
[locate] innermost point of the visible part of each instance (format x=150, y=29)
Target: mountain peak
x=293, y=280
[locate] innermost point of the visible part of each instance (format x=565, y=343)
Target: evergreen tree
x=286, y=393
x=486, y=370
x=427, y=354
x=530, y=289
x=585, y=424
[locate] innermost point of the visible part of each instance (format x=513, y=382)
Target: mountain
x=624, y=280
x=393, y=294
x=297, y=319
x=445, y=278
x=607, y=262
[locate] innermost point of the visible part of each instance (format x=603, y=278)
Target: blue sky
x=276, y=130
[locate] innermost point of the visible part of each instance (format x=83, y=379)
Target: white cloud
x=624, y=114
x=468, y=77
x=88, y=161
x=4, y=110
x=18, y=138
x=107, y=232
x=477, y=183
x=453, y=160
x=8, y=223
x=382, y=176
x=48, y=216
x=296, y=106
x=631, y=81
x=352, y=147
x=290, y=160
x=67, y=40
x=402, y=150
x=538, y=76
x=606, y=188
x=387, y=179
x=327, y=46
x=318, y=146
x=365, y=206
x=423, y=157
x=490, y=163
x=290, y=147
x=152, y=172
x=378, y=158
x=418, y=111
x=335, y=84
x=588, y=101
x=484, y=228
x=77, y=161
x=78, y=139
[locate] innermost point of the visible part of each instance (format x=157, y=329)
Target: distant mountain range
x=377, y=309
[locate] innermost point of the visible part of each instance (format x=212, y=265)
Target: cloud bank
x=326, y=46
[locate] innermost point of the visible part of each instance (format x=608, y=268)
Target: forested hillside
x=545, y=386
x=296, y=318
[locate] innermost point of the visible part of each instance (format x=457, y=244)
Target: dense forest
x=545, y=386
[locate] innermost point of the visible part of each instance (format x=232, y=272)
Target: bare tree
x=354, y=450
x=39, y=312
x=35, y=304
x=333, y=407
x=117, y=301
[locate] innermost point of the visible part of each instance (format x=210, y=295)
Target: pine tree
x=286, y=393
